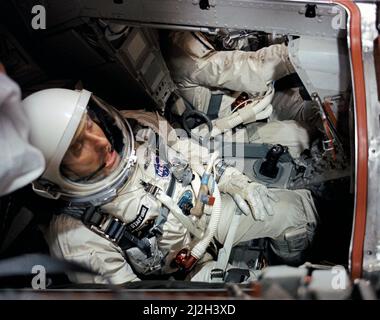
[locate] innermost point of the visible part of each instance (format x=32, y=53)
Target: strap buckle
x=217, y=273
x=110, y=228
x=328, y=145
x=150, y=188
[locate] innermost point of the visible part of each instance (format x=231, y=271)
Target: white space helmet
x=54, y=116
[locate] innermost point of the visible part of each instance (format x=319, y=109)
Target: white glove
x=255, y=194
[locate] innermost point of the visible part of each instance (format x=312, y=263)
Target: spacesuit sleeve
x=109, y=265
x=113, y=266
x=71, y=240
x=243, y=71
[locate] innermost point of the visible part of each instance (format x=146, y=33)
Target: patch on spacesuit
x=161, y=168
x=132, y=226
x=186, y=202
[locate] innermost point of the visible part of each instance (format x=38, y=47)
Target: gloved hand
x=255, y=194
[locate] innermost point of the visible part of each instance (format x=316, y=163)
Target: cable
x=241, y=103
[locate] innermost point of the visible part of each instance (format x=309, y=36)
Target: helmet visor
x=98, y=145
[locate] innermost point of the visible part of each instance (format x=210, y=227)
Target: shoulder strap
x=108, y=227
x=116, y=231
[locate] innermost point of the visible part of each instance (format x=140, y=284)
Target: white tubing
x=248, y=114
x=228, y=122
x=200, y=248
x=265, y=113
x=265, y=101
x=177, y=212
x=234, y=121
x=210, y=164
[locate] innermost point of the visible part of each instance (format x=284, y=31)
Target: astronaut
x=235, y=88
x=134, y=200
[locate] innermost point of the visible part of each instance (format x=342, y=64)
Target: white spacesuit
x=158, y=197
x=210, y=81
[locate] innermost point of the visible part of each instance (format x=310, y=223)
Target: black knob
x=311, y=11
x=269, y=167
x=204, y=4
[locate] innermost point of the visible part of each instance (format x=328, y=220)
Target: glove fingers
x=265, y=199
x=257, y=208
x=268, y=207
x=263, y=194
x=261, y=199
x=273, y=196
x=251, y=203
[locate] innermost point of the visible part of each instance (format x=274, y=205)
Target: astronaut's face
x=90, y=155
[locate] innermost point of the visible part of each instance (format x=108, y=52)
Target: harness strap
x=116, y=231
x=164, y=211
x=108, y=227
x=214, y=106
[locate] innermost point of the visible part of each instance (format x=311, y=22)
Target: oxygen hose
x=250, y=113
x=177, y=212
x=200, y=248
x=198, y=208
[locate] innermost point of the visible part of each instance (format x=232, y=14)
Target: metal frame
x=243, y=14
x=371, y=250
